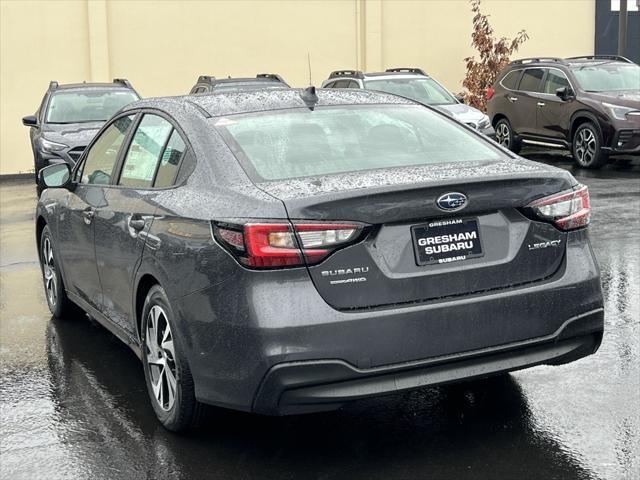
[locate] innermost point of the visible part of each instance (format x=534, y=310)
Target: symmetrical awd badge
x=452, y=201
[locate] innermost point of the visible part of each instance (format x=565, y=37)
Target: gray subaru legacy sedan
x=287, y=251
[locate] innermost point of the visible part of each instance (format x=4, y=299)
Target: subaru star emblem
x=452, y=201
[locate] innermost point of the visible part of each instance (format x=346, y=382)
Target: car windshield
x=87, y=105
x=300, y=142
x=423, y=90
x=608, y=77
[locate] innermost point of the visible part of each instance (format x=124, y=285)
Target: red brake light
x=490, y=93
x=272, y=245
x=567, y=210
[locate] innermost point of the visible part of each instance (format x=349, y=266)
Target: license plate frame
x=459, y=233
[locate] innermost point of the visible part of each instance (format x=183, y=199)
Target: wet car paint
x=73, y=402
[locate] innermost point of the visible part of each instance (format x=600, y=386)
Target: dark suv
x=208, y=83
x=70, y=115
x=588, y=104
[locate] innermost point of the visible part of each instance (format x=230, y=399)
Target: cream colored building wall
x=436, y=34
x=39, y=41
x=162, y=46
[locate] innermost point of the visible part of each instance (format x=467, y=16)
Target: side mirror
x=55, y=176
x=30, y=121
x=564, y=93
x=459, y=98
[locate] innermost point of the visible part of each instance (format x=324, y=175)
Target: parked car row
x=282, y=251
x=589, y=104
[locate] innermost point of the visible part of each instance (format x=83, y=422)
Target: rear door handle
x=137, y=222
x=541, y=104
x=88, y=214
x=513, y=99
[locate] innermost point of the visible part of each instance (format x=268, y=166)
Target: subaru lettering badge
x=452, y=201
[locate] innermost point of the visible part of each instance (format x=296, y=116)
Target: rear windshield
x=90, y=105
x=329, y=140
x=608, y=77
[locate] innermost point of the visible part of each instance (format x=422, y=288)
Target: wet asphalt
x=73, y=403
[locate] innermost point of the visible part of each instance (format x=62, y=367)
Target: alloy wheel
x=161, y=358
x=585, y=149
x=503, y=135
x=49, y=272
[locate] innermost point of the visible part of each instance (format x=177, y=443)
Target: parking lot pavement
x=73, y=403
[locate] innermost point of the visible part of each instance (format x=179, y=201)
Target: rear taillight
x=567, y=210
x=490, y=93
x=282, y=244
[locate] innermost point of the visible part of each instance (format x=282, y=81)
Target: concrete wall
x=162, y=46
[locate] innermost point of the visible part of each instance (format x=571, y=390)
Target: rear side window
x=298, y=143
x=531, y=80
x=555, y=80
x=144, y=152
x=170, y=161
x=101, y=159
x=510, y=80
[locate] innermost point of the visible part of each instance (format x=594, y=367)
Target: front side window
x=297, y=143
x=144, y=152
x=531, y=79
x=103, y=155
x=91, y=105
x=608, y=77
x=423, y=90
x=555, y=80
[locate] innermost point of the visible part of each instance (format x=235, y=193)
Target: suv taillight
x=566, y=210
x=490, y=93
x=282, y=244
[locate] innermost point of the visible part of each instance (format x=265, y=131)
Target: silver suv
x=415, y=84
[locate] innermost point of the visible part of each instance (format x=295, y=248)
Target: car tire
x=586, y=146
x=57, y=300
x=506, y=137
x=166, y=370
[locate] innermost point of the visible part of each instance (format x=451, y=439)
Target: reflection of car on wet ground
x=415, y=84
x=70, y=115
x=209, y=83
x=311, y=248
x=590, y=105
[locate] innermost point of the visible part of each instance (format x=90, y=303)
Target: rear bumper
x=240, y=331
x=303, y=387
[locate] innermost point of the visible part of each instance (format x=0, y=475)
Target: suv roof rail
x=122, y=81
x=346, y=73
x=522, y=61
x=601, y=57
x=206, y=79
x=53, y=84
x=419, y=71
x=271, y=76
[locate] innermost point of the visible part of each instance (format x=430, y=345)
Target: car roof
x=246, y=80
x=86, y=86
x=229, y=103
x=392, y=73
x=567, y=62
x=261, y=78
